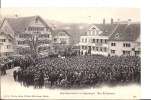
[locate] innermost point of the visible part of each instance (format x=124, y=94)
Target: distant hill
x=53, y=23
x=74, y=29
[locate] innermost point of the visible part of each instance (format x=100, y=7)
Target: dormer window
x=100, y=32
x=36, y=20
x=117, y=36
x=93, y=28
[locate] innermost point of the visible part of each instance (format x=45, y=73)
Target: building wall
x=119, y=48
x=93, y=42
x=61, y=42
x=7, y=28
x=62, y=39
x=97, y=44
x=93, y=31
x=6, y=46
x=35, y=28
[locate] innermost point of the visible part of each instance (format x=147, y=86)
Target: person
x=3, y=70
x=14, y=75
x=87, y=70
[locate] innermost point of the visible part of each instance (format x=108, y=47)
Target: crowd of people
x=11, y=62
x=79, y=71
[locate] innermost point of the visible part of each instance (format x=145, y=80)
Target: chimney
x=111, y=20
x=129, y=21
x=16, y=15
x=104, y=21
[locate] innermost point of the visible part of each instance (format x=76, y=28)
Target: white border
x=71, y=3
x=145, y=25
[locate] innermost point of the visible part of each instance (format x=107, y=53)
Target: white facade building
x=95, y=40
x=61, y=37
x=114, y=39
x=125, y=40
x=61, y=40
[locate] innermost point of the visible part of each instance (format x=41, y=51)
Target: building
x=6, y=45
x=61, y=37
x=95, y=40
x=26, y=29
x=125, y=40
x=115, y=38
x=75, y=30
x=61, y=40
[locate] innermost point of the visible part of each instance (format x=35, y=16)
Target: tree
x=34, y=43
x=33, y=46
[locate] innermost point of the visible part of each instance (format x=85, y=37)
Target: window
x=126, y=52
x=85, y=40
x=100, y=40
x=93, y=41
x=8, y=46
x=24, y=36
x=63, y=42
x=21, y=42
x=137, y=53
x=113, y=51
x=126, y=45
x=29, y=28
x=97, y=49
x=93, y=48
x=44, y=41
x=82, y=40
x=105, y=49
x=7, y=54
x=105, y=41
x=2, y=40
x=113, y=44
x=55, y=39
x=100, y=48
x=62, y=34
x=35, y=28
x=97, y=40
x=90, y=40
x=82, y=47
x=85, y=47
x=44, y=35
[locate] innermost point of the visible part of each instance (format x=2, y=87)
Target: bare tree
x=35, y=44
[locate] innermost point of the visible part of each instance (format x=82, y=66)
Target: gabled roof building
x=100, y=39
x=125, y=40
x=23, y=28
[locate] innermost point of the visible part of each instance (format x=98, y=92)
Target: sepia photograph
x=70, y=53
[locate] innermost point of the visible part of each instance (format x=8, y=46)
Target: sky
x=76, y=14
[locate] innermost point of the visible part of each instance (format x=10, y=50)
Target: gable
x=37, y=22
x=3, y=35
x=94, y=30
x=62, y=33
x=20, y=24
x=6, y=28
x=126, y=32
x=93, y=27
